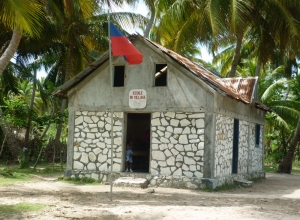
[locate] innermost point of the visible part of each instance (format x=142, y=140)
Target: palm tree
x=22, y=17
x=8, y=84
x=209, y=22
x=220, y=24
x=286, y=164
x=83, y=32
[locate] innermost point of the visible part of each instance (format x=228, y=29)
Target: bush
x=23, y=158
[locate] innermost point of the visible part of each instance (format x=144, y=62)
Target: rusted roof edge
x=261, y=106
x=215, y=85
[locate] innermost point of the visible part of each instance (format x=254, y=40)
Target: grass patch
x=273, y=169
x=224, y=187
x=296, y=167
x=20, y=207
x=270, y=169
x=14, y=174
x=8, y=176
x=296, y=170
x=78, y=180
x=256, y=180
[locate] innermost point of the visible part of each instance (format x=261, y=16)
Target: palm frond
x=271, y=90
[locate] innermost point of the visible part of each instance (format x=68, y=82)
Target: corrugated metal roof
x=240, y=89
x=242, y=86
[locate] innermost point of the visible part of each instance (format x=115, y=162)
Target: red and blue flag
x=121, y=46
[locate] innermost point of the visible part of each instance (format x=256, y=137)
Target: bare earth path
x=276, y=197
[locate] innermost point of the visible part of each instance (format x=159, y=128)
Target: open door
x=138, y=132
x=235, y=150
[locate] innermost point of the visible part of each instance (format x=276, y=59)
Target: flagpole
x=111, y=110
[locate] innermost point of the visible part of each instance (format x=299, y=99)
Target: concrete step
x=131, y=182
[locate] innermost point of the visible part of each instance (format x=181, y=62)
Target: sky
x=142, y=9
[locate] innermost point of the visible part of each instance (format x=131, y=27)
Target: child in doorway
x=129, y=160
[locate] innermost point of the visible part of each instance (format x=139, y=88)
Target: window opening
x=119, y=76
x=235, y=150
x=257, y=135
x=161, y=71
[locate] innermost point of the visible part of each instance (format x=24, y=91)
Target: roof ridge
x=205, y=74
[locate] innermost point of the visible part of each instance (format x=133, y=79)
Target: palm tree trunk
x=258, y=65
x=235, y=62
x=287, y=92
x=11, y=49
x=12, y=143
x=59, y=127
x=64, y=101
x=31, y=106
x=286, y=164
x=150, y=23
x=42, y=148
x=257, y=73
x=2, y=146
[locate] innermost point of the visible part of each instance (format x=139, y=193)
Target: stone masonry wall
x=243, y=147
x=249, y=156
x=92, y=141
x=177, y=144
x=223, y=146
x=256, y=153
x=177, y=149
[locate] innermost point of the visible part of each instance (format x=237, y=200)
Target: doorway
x=138, y=132
x=235, y=150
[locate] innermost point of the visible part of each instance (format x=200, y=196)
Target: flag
x=121, y=46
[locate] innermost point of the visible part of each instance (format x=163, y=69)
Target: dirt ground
x=276, y=197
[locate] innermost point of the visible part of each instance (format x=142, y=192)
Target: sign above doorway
x=137, y=98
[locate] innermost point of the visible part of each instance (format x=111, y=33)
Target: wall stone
x=243, y=147
x=256, y=152
x=175, y=141
x=250, y=157
x=92, y=149
x=177, y=156
x=223, y=146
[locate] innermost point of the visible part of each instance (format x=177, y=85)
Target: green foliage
x=7, y=173
x=20, y=207
x=277, y=141
x=23, y=158
x=15, y=112
x=281, y=95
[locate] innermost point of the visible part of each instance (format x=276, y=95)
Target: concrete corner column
x=209, y=143
x=70, y=148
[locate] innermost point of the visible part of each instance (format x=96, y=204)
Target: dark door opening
x=138, y=131
x=235, y=150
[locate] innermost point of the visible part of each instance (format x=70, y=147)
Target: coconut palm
x=286, y=164
x=82, y=34
x=219, y=24
x=24, y=16
x=210, y=22
x=8, y=84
